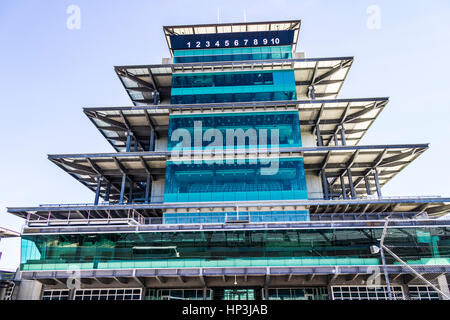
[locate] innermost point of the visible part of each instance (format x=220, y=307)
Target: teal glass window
x=222, y=217
x=243, y=181
x=29, y=251
x=301, y=247
x=233, y=87
x=225, y=79
x=262, y=126
x=232, y=54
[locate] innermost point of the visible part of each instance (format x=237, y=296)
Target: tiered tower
x=237, y=174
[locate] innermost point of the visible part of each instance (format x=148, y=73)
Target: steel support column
x=325, y=186
x=350, y=183
x=130, y=194
x=367, y=182
x=344, y=190
x=336, y=140
x=122, y=188
x=155, y=97
x=108, y=191
x=147, y=187
x=128, y=145
x=97, y=190
x=377, y=182
x=319, y=137
x=151, y=146
x=343, y=141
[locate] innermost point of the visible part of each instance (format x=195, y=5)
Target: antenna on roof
x=245, y=15
x=218, y=15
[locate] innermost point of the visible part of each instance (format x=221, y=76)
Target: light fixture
x=374, y=249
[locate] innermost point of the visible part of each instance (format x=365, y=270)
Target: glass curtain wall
x=223, y=217
x=238, y=130
x=232, y=248
x=232, y=54
x=241, y=180
x=242, y=86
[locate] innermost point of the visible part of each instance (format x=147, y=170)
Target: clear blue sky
x=51, y=72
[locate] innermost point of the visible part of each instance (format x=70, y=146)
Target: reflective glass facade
x=188, y=88
x=232, y=248
x=240, y=180
x=270, y=129
x=232, y=54
x=177, y=294
x=372, y=292
x=210, y=168
x=223, y=217
x=318, y=293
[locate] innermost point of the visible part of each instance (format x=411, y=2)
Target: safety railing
x=311, y=196
x=131, y=218
x=338, y=196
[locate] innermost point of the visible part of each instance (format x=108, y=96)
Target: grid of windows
x=177, y=294
x=108, y=294
x=221, y=87
x=365, y=292
x=239, y=294
x=231, y=248
x=319, y=293
x=237, y=130
x=246, y=179
x=223, y=217
x=422, y=293
x=55, y=294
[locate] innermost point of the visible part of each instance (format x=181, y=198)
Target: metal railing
x=134, y=218
x=338, y=196
x=160, y=200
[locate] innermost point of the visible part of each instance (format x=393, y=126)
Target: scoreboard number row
x=235, y=43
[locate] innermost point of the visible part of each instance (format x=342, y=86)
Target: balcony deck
x=327, y=75
x=356, y=115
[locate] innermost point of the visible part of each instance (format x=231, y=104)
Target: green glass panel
x=231, y=248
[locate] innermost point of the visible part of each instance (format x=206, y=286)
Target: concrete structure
x=7, y=283
x=238, y=174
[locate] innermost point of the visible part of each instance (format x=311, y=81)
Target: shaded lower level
x=334, y=292
x=270, y=283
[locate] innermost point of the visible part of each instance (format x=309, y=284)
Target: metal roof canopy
x=218, y=28
x=115, y=123
x=335, y=161
x=327, y=75
x=6, y=233
x=356, y=115
x=111, y=168
x=70, y=226
x=433, y=206
x=207, y=276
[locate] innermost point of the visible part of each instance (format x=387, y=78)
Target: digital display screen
x=230, y=40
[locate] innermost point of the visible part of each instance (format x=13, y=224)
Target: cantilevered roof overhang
x=6, y=233
x=114, y=124
x=335, y=161
x=273, y=277
x=434, y=206
x=326, y=75
x=87, y=168
x=231, y=28
x=355, y=115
